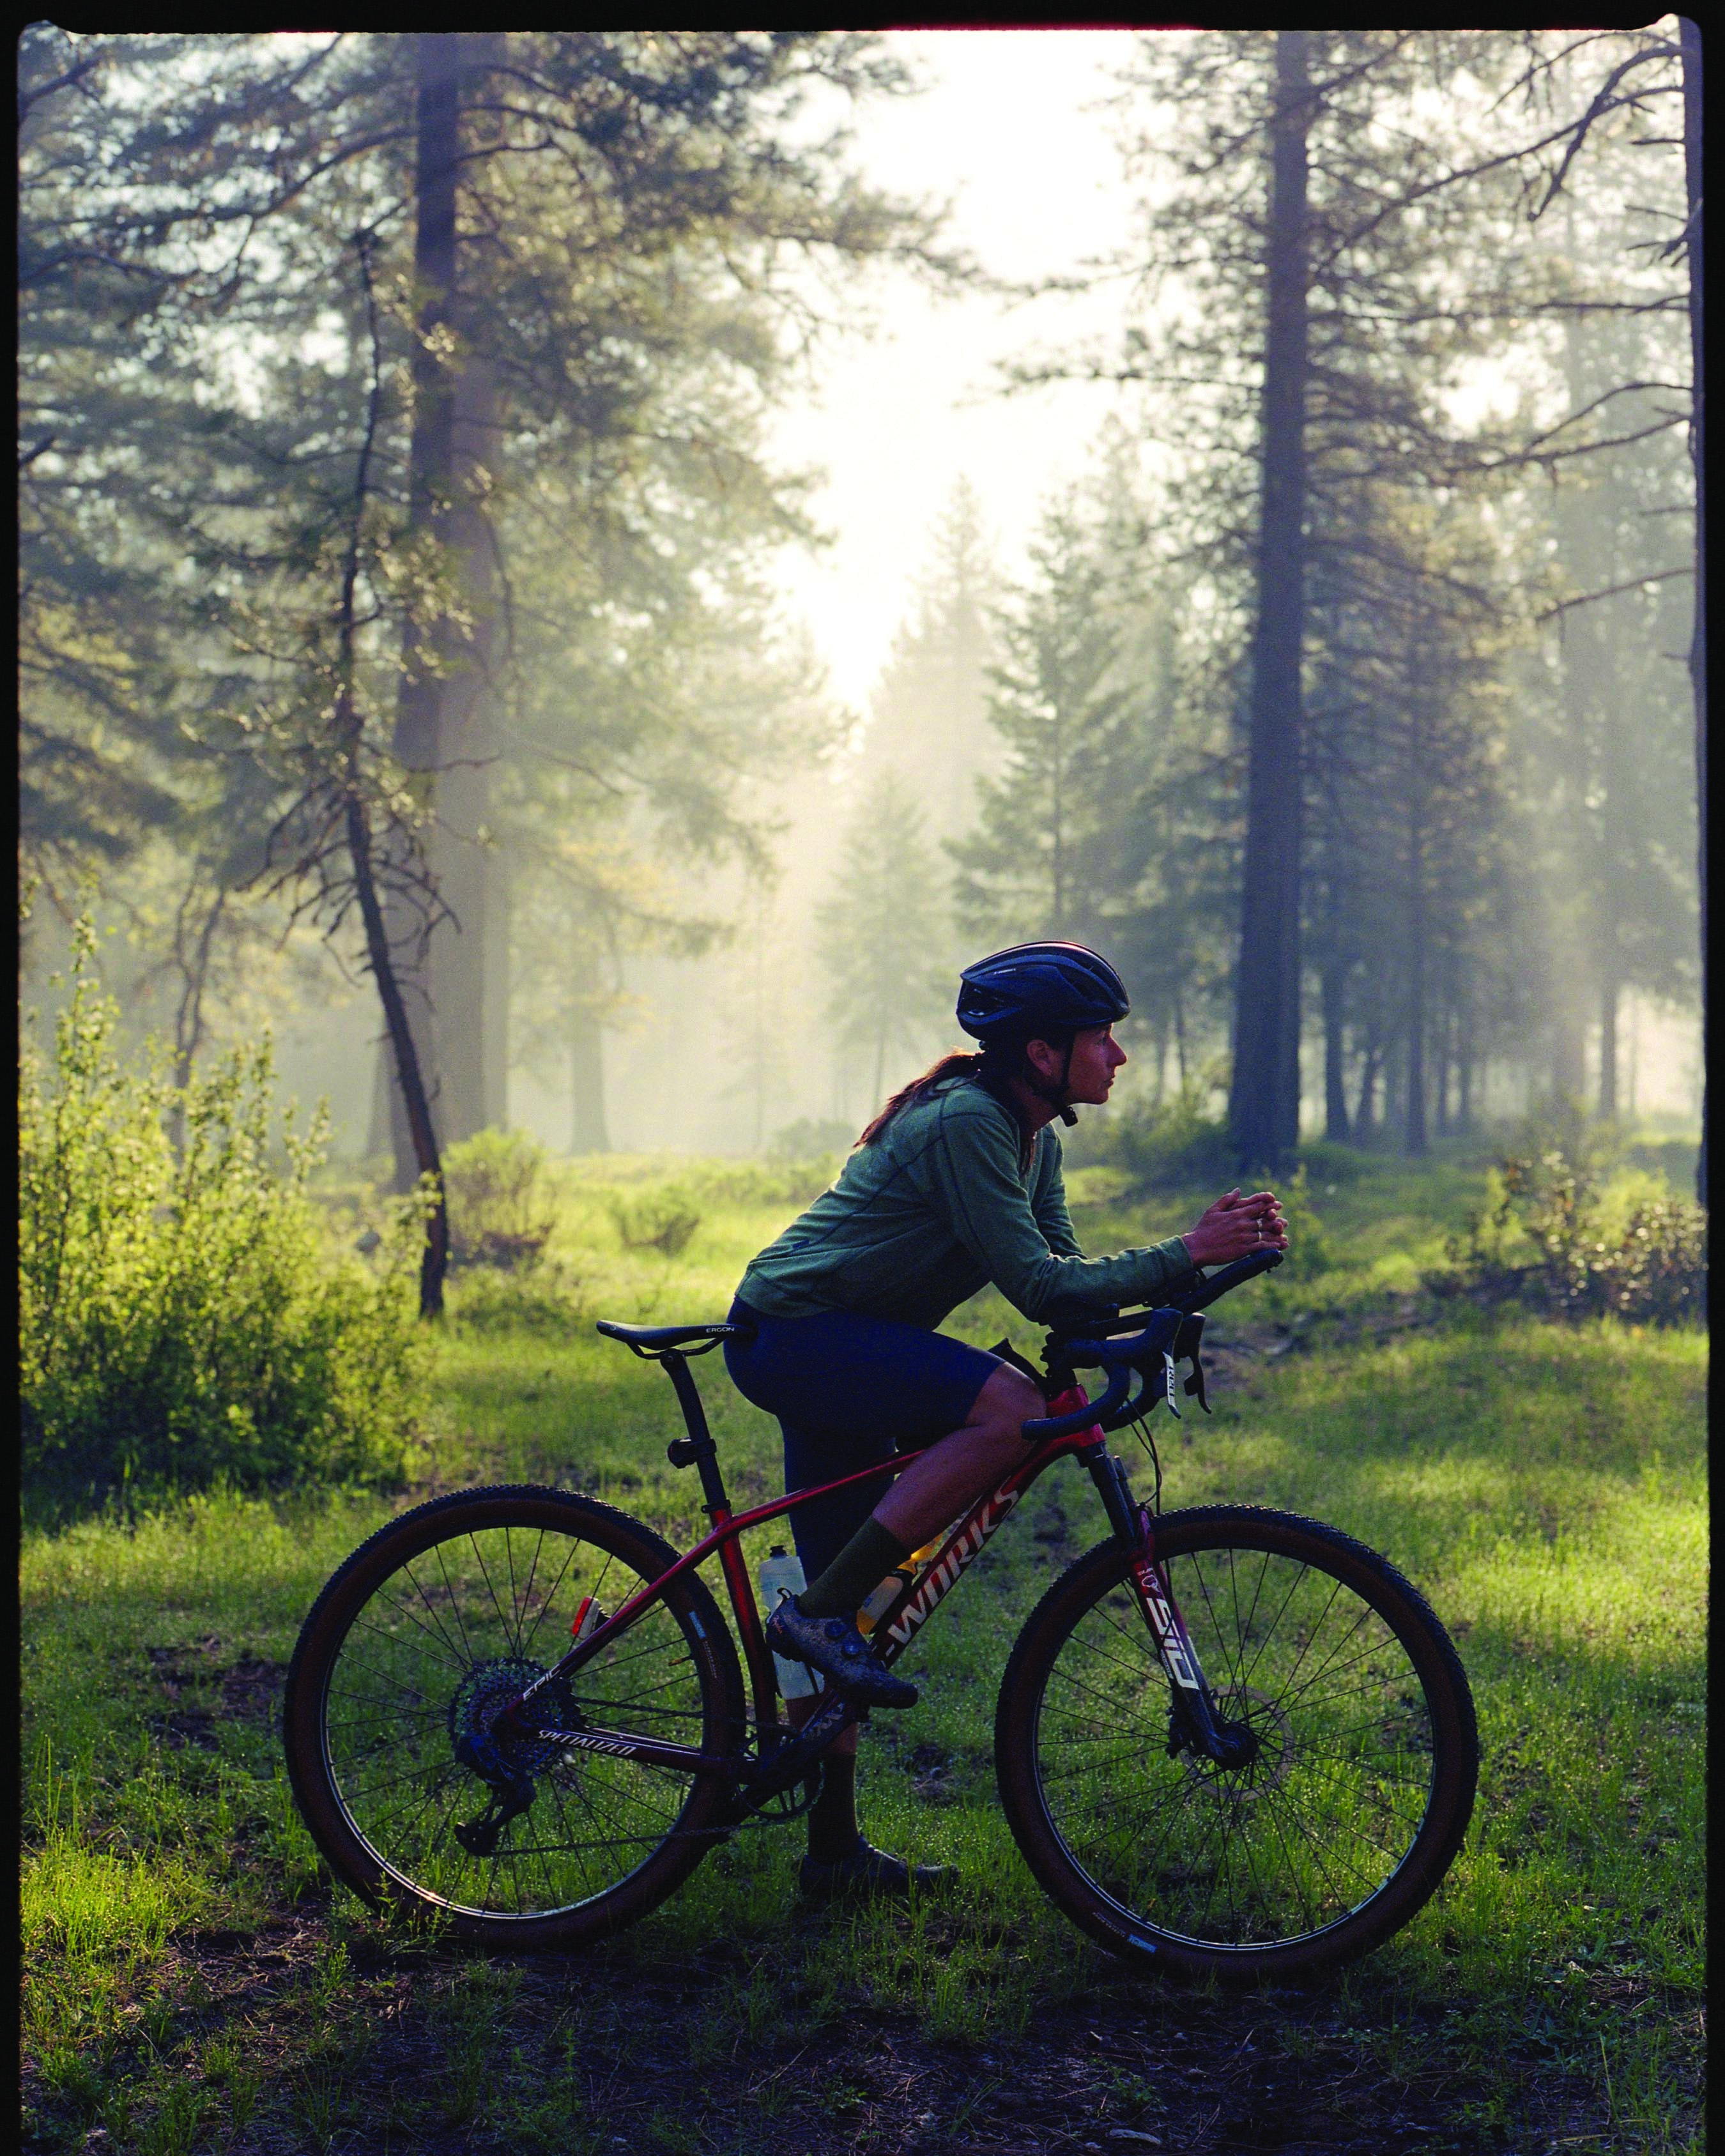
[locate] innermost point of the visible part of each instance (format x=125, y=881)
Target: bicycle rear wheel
x=421, y=1634
x=1326, y=1838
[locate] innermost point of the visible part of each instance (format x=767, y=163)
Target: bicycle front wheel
x=429, y=1628
x=1356, y=1788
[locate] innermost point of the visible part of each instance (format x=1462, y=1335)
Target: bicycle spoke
x=422, y=1662
x=479, y=1556
x=1317, y=1814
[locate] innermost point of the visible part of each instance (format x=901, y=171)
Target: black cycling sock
x=855, y=1573
x=832, y=1818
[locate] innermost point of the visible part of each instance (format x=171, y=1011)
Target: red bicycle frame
x=903, y=1617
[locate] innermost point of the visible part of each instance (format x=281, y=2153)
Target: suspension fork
x=1134, y=1526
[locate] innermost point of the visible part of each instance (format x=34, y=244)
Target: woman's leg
x=936, y=1489
x=848, y=1390
x=859, y=1383
x=931, y=1493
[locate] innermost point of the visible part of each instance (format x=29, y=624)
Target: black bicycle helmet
x=1063, y=986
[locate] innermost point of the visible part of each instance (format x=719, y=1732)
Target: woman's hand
x=1236, y=1227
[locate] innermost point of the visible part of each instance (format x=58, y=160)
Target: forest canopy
x=399, y=509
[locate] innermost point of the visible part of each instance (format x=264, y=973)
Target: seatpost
x=698, y=1448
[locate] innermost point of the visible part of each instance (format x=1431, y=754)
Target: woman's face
x=1096, y=1055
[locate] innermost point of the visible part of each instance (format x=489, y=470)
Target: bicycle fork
x=1194, y=1724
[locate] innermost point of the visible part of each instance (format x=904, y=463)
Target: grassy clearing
x=193, y=1983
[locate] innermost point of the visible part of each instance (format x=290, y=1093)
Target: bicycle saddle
x=659, y=1339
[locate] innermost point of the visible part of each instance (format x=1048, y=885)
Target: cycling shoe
x=833, y=1646
x=868, y=1872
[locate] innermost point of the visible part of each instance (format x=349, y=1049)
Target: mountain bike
x=1227, y=1739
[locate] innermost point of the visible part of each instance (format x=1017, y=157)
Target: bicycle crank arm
x=764, y=1780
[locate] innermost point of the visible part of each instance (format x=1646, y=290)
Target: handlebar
x=1121, y=1354
x=1219, y=1283
x=1041, y=1428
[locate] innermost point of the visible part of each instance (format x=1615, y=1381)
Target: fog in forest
x=853, y=609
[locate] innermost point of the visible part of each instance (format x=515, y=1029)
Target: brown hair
x=991, y=1066
x=956, y=1063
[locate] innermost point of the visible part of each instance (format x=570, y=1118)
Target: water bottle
x=782, y=1574
x=883, y=1597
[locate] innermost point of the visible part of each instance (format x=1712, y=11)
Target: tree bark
x=1609, y=992
x=188, y=1018
x=1180, y=1036
x=348, y=742
x=435, y=1258
x=1414, y=1128
x=1365, y=1109
x=1440, y=1077
x=1264, y=1106
x=1569, y=1056
x=1689, y=36
x=444, y=729
x=1334, y=984
x=588, y=1131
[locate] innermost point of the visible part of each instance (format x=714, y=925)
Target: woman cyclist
x=956, y=1183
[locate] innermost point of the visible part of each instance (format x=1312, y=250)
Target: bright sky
x=1036, y=186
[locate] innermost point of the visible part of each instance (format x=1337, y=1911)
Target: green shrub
x=543, y=1299
x=1171, y=1146
x=1549, y=1242
x=501, y=1208
x=812, y=1137
x=661, y=1221
x=764, y=1182
x=1335, y=1165
x=1312, y=1251
x=183, y=1322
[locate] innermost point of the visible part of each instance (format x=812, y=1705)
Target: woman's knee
x=1007, y=1401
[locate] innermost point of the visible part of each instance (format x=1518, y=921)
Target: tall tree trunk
x=1568, y=1050
x=443, y=719
x=1365, y=1113
x=1689, y=36
x=1414, y=1141
x=1610, y=990
x=362, y=852
x=188, y=1018
x=1634, y=1063
x=1440, y=1076
x=1264, y=1106
x=1180, y=1035
x=469, y=991
x=435, y=1258
x=1334, y=983
x=588, y=1129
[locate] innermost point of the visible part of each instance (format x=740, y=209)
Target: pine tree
x=1059, y=709
x=883, y=934
x=928, y=714
x=603, y=272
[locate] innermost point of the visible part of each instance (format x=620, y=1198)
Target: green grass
x=193, y=1983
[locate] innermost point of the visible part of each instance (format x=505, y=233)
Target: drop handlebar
x=1122, y=1354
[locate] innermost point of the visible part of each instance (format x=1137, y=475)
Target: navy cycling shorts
x=848, y=1391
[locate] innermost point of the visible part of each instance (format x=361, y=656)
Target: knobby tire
x=414, y=1639
x=1341, y=1825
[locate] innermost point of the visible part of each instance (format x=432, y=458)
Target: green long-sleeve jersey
x=938, y=1206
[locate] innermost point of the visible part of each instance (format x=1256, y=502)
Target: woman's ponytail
x=999, y=1060
x=956, y=1063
